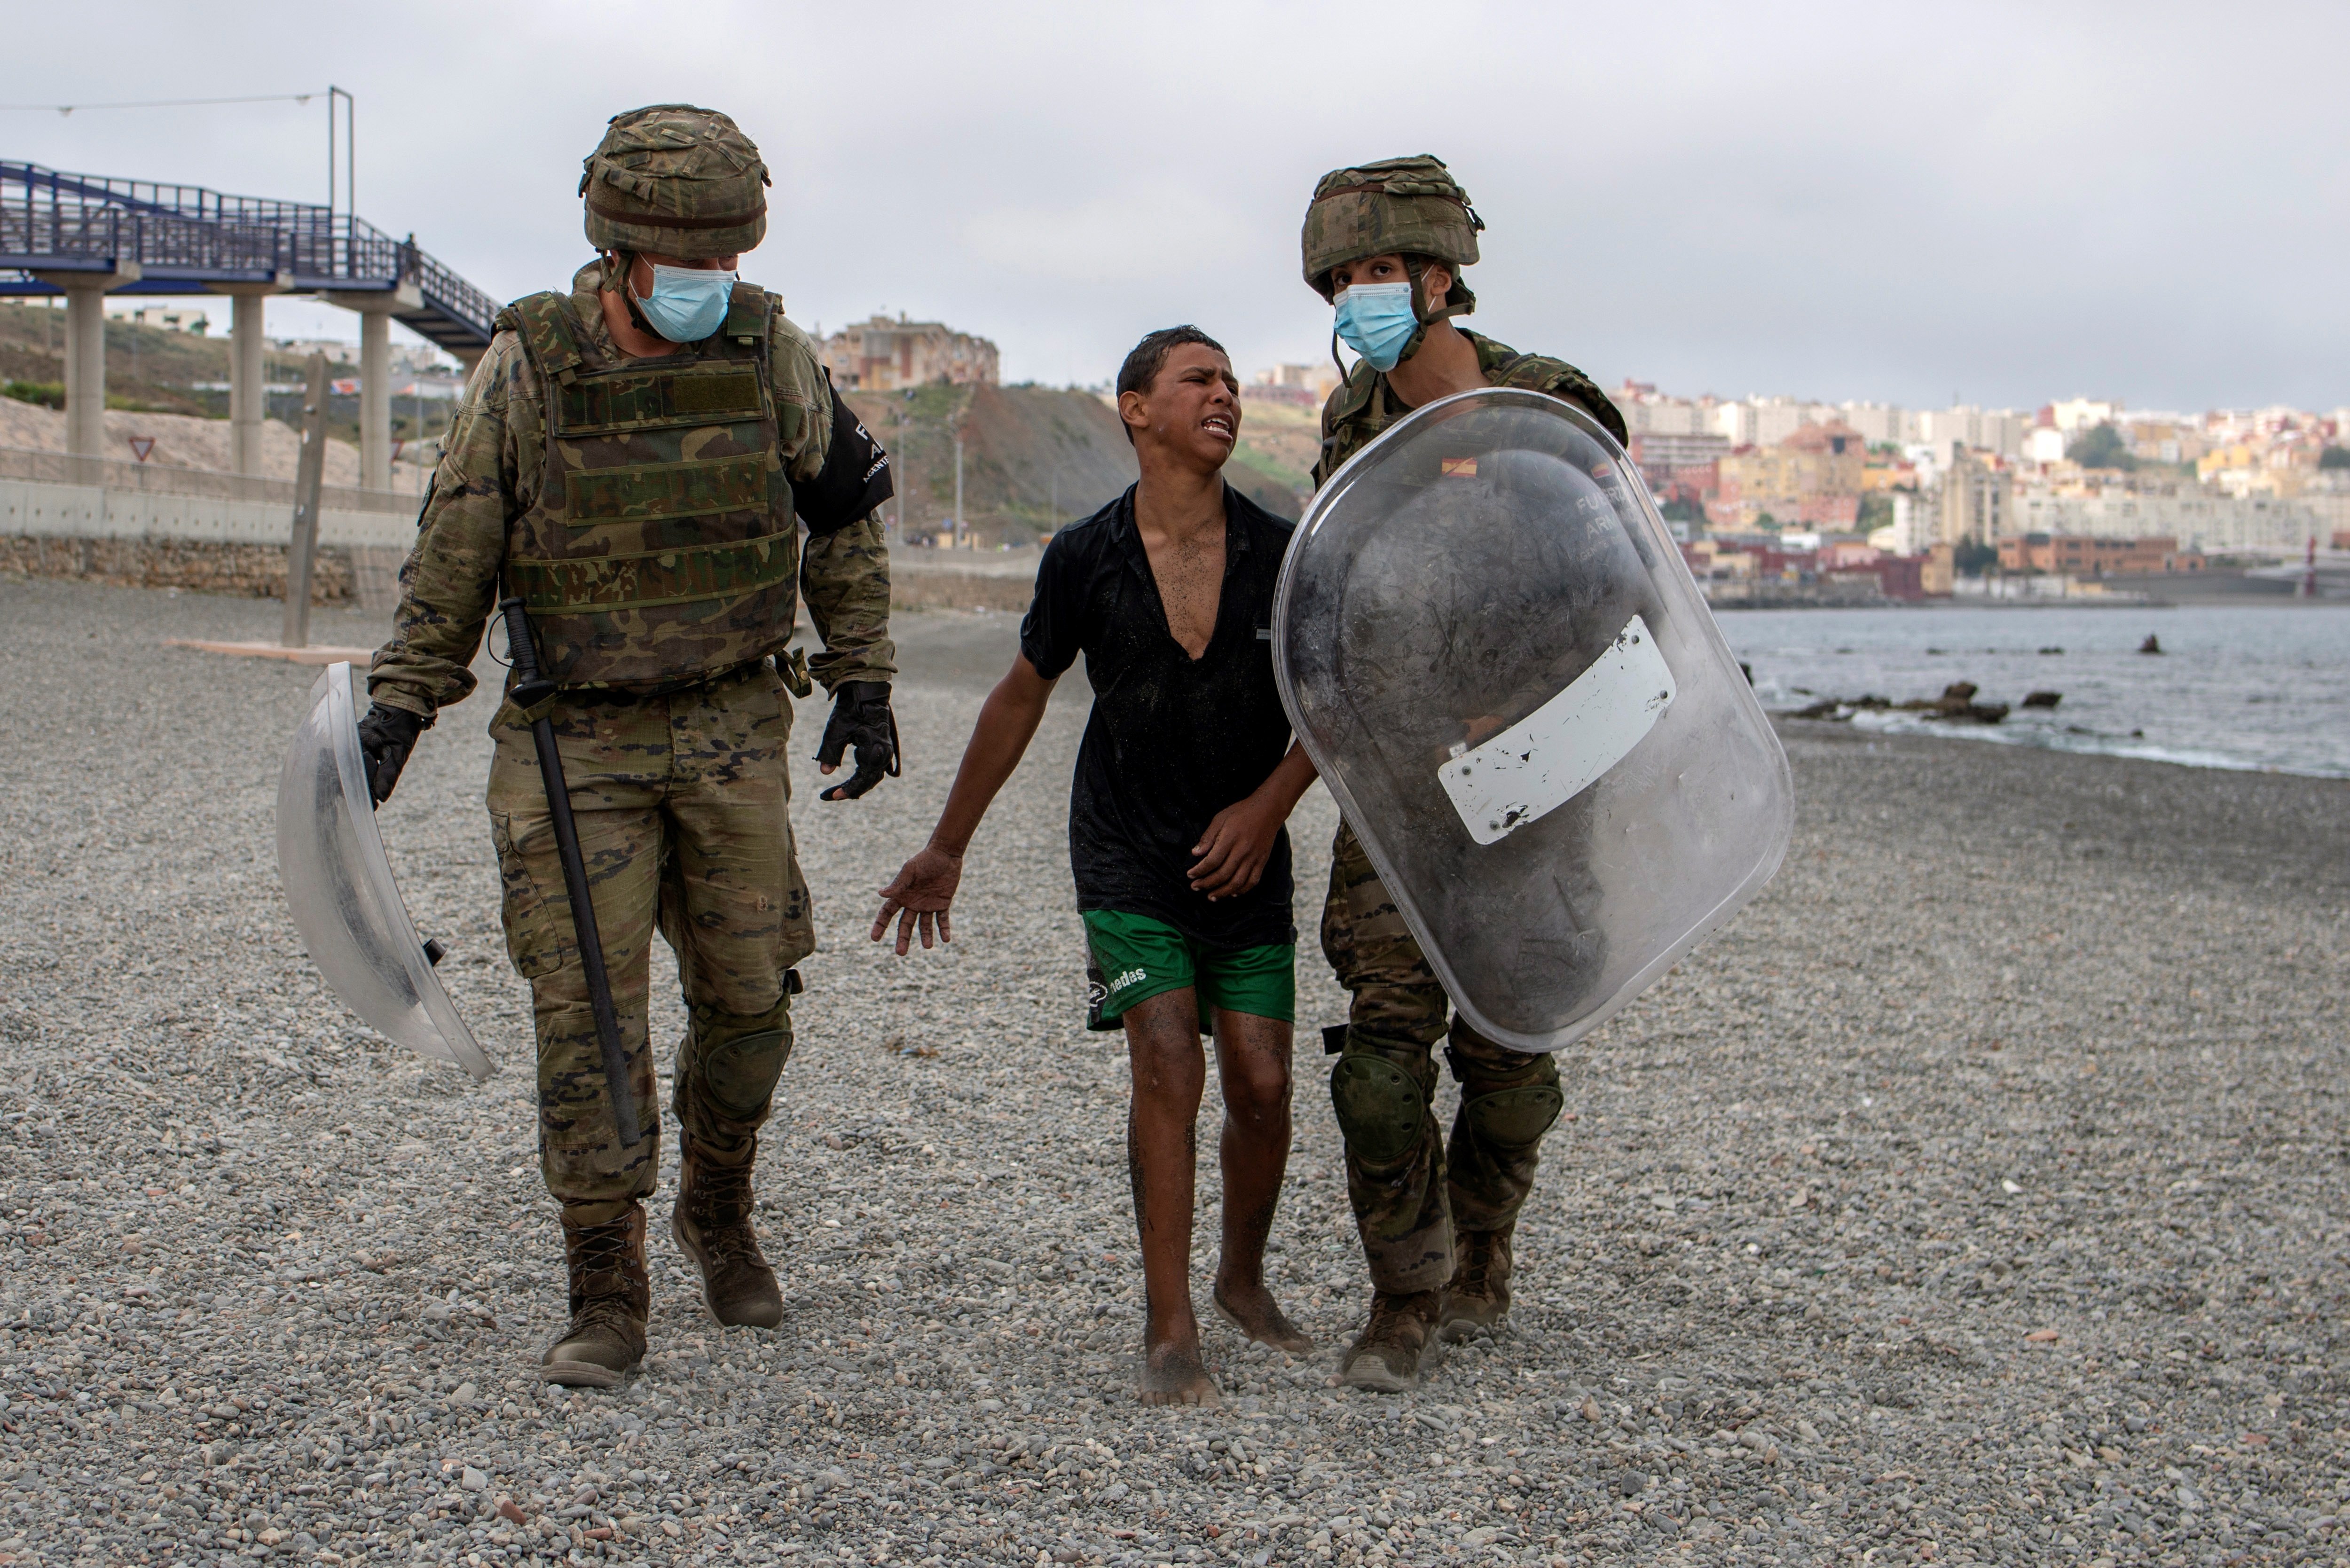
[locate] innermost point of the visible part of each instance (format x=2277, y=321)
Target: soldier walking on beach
x=1385, y=244
x=628, y=460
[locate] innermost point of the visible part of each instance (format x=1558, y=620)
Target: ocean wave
x=2050, y=739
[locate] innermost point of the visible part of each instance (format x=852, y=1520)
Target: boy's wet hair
x=1142, y=366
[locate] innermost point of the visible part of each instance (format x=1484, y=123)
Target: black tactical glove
x=386, y=737
x=860, y=718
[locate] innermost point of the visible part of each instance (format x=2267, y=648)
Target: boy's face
x=1192, y=411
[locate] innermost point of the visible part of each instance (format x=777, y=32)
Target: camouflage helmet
x=1407, y=205
x=676, y=180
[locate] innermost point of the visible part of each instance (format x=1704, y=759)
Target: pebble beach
x=1980, y=1194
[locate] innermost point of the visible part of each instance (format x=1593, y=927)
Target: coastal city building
x=2082, y=554
x=885, y=353
x=1812, y=476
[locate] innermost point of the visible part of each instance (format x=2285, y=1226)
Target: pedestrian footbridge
x=87, y=236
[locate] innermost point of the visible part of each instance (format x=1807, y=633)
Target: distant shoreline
x=2247, y=601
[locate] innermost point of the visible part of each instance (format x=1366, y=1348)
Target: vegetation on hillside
x=2101, y=446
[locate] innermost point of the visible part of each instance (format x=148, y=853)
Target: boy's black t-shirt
x=1172, y=740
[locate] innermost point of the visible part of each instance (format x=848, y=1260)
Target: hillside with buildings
x=1032, y=458
x=1778, y=498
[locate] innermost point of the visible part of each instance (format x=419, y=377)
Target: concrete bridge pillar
x=85, y=295
x=248, y=383
x=376, y=311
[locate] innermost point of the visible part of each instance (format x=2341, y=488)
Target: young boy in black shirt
x=1184, y=779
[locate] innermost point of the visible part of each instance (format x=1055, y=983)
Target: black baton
x=531, y=688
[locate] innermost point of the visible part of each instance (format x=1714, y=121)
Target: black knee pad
x=1380, y=1110
x=1514, y=1119
x=738, y=1057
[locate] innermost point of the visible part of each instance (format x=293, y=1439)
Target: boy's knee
x=1258, y=1087
x=1162, y=1045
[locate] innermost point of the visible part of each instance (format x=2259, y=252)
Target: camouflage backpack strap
x=544, y=319
x=1557, y=379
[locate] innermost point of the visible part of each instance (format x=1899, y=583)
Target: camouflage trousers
x=681, y=803
x=1410, y=1190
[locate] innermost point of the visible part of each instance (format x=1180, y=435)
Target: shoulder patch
x=543, y=321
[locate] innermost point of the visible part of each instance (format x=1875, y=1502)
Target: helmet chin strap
x=617, y=267
x=1417, y=271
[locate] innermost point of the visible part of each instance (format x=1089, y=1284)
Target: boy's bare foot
x=1252, y=1311
x=1174, y=1374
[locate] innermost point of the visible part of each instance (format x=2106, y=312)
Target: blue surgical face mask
x=687, y=302
x=1376, y=320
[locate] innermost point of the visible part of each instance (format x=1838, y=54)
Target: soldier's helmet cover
x=1489, y=643
x=340, y=889
x=1407, y=206
x=676, y=180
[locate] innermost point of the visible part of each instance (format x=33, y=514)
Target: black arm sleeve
x=855, y=479
x=1052, y=634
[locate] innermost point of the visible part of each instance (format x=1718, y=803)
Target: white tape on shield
x=1559, y=750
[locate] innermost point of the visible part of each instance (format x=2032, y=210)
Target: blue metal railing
x=180, y=235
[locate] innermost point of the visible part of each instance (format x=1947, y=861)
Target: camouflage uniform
x=646, y=512
x=1410, y=1190
x=680, y=787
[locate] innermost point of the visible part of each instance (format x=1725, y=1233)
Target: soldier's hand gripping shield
x=338, y=886
x=1488, y=642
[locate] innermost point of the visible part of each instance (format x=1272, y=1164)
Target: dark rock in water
x=1746, y=670
x=2052, y=650
x=1825, y=708
x=1956, y=703
x=2152, y=644
x=2042, y=699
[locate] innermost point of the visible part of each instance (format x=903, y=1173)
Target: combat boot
x=1386, y=1357
x=712, y=1222
x=611, y=1299
x=1478, y=1296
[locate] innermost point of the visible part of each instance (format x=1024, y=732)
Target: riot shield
x=339, y=886
x=1489, y=645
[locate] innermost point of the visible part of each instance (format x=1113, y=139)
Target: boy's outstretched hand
x=921, y=896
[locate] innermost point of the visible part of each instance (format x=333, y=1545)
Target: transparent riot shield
x=1488, y=642
x=339, y=888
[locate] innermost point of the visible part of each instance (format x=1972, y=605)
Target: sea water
x=2263, y=687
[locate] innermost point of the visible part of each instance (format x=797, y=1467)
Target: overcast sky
x=1883, y=202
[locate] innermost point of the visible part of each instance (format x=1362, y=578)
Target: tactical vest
x=662, y=546
x=1357, y=410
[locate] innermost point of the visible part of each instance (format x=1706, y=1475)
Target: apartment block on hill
x=1813, y=477
x=883, y=354
x=1978, y=499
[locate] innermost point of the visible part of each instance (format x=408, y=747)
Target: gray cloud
x=1884, y=202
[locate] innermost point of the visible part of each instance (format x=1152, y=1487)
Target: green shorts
x=1133, y=958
